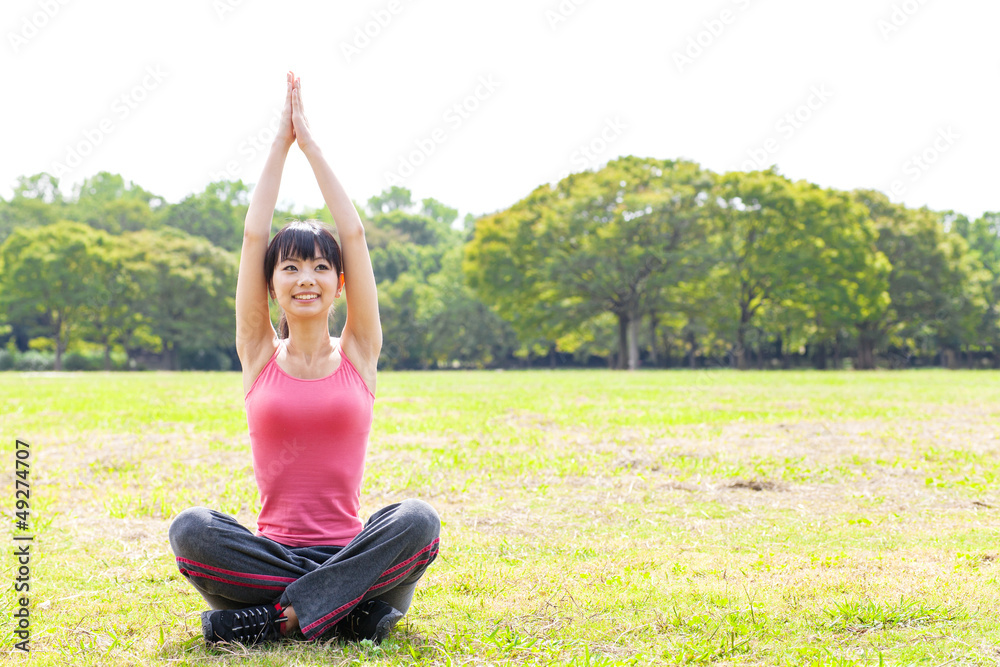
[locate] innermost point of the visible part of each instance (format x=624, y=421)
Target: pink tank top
x=309, y=439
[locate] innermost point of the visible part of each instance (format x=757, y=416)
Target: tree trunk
x=866, y=347
x=633, y=343
x=740, y=349
x=60, y=343
x=838, y=363
x=819, y=358
x=692, y=364
x=107, y=355
x=653, y=358
x=622, y=339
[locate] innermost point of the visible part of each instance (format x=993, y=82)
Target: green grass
x=589, y=517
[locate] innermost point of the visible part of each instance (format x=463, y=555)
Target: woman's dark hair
x=298, y=239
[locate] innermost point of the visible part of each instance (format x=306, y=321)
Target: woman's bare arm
x=363, y=326
x=254, y=330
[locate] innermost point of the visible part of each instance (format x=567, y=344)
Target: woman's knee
x=422, y=518
x=189, y=529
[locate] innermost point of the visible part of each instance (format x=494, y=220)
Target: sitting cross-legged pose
x=312, y=568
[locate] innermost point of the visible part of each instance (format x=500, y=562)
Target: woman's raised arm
x=254, y=330
x=363, y=328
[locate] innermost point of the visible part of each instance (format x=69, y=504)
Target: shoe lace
x=254, y=622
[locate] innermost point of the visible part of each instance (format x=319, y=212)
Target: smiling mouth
x=305, y=297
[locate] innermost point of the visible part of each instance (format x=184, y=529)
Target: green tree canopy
x=599, y=242
x=50, y=277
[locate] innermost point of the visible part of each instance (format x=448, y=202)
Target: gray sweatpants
x=232, y=568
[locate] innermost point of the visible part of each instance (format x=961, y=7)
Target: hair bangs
x=299, y=241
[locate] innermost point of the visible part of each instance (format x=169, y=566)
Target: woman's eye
x=322, y=266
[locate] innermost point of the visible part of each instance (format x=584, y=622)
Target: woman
x=311, y=569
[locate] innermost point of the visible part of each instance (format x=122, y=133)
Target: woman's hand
x=299, y=122
x=285, y=135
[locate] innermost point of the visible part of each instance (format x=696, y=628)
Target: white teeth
x=309, y=297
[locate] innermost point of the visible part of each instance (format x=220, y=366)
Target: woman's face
x=306, y=286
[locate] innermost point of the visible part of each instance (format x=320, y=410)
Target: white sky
x=887, y=92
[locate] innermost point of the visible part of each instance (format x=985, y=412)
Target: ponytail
x=282, y=326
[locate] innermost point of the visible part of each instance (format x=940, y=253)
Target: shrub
x=78, y=361
x=33, y=360
x=203, y=360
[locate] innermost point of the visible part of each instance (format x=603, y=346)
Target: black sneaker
x=369, y=620
x=252, y=625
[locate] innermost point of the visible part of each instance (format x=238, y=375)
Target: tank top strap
x=352, y=367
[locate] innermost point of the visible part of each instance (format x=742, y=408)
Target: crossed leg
x=232, y=568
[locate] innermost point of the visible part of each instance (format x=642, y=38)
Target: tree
x=395, y=198
x=43, y=187
x=599, y=242
x=51, y=274
x=105, y=201
x=417, y=228
x=106, y=187
x=844, y=278
x=983, y=239
x=460, y=327
x=113, y=316
x=926, y=280
x=404, y=331
x=188, y=290
x=37, y=201
x=216, y=214
x=435, y=210
x=121, y=215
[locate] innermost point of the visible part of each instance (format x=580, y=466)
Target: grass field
x=589, y=517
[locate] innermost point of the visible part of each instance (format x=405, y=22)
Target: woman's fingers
x=298, y=88
x=297, y=102
x=301, y=125
x=286, y=130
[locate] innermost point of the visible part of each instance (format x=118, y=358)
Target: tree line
x=645, y=262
